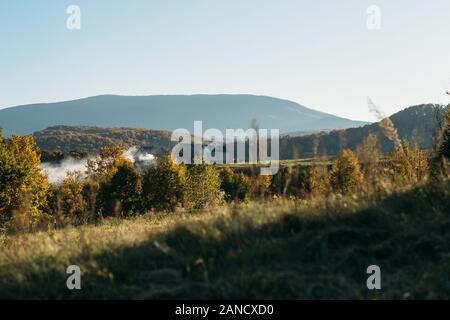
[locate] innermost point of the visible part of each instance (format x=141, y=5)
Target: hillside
x=86, y=139
x=170, y=112
x=413, y=123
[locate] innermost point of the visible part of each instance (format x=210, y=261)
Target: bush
x=67, y=202
x=163, y=185
x=345, y=175
x=236, y=186
x=260, y=185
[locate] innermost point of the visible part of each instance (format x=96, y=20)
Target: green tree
x=202, y=186
x=163, y=185
x=122, y=193
x=345, y=175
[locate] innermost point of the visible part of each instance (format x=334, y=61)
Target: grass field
x=279, y=249
x=282, y=163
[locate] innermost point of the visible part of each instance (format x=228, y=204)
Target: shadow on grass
x=297, y=256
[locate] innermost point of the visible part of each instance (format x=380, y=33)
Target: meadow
x=287, y=249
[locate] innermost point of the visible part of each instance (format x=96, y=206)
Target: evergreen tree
x=345, y=174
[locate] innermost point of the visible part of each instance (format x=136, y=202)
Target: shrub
x=281, y=181
x=236, y=186
x=260, y=185
x=66, y=202
x=345, y=174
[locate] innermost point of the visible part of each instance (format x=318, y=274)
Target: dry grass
x=280, y=249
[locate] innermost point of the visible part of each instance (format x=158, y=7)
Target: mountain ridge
x=169, y=112
x=415, y=124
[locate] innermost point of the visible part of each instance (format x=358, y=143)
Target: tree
x=122, y=193
x=444, y=150
x=410, y=165
x=106, y=164
x=236, y=186
x=202, y=186
x=20, y=177
x=345, y=175
x=163, y=185
x=315, y=179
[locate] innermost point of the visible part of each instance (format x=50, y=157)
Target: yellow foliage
x=20, y=177
x=345, y=174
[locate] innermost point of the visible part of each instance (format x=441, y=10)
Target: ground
x=279, y=249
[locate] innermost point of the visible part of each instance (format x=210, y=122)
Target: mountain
x=416, y=123
x=169, y=112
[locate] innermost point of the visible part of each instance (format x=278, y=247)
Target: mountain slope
x=171, y=112
x=413, y=123
x=90, y=139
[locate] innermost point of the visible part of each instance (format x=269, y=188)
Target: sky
x=321, y=53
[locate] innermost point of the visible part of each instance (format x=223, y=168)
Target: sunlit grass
x=279, y=249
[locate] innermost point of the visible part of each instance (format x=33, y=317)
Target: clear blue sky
x=318, y=53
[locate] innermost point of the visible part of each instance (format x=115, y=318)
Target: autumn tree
x=122, y=193
x=236, y=186
x=20, y=177
x=410, y=164
x=105, y=165
x=163, y=185
x=345, y=175
x=315, y=179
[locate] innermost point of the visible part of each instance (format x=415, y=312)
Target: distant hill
x=414, y=123
x=89, y=140
x=417, y=122
x=169, y=112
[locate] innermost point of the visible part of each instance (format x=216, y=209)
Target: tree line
x=111, y=185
